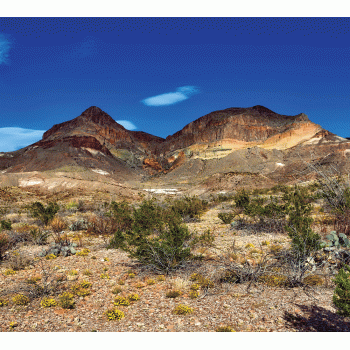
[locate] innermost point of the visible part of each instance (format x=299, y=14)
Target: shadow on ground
x=319, y=319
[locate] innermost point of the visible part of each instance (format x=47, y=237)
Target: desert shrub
x=9, y=272
x=273, y=280
x=121, y=301
x=48, y=302
x=150, y=281
x=157, y=239
x=195, y=286
x=83, y=252
x=304, y=240
x=103, y=226
x=313, y=280
x=58, y=225
x=66, y=300
x=38, y=236
x=122, y=213
x=79, y=225
x=18, y=261
x=116, y=290
x=265, y=243
x=4, y=244
x=202, y=281
x=241, y=198
x=133, y=297
x=173, y=294
x=191, y=207
x=205, y=239
x=226, y=218
x=44, y=214
x=81, y=289
x=33, y=279
x=5, y=225
x=224, y=329
x=20, y=299
x=182, y=310
x=104, y=276
x=114, y=314
x=194, y=294
x=3, y=302
x=121, y=282
x=341, y=297
x=73, y=273
x=161, y=278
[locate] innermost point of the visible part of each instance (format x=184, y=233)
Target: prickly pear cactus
x=336, y=241
x=62, y=248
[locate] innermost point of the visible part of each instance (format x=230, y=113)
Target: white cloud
x=12, y=139
x=4, y=49
x=127, y=124
x=169, y=98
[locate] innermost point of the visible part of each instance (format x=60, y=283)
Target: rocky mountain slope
x=94, y=147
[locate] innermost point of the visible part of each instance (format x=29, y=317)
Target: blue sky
x=159, y=74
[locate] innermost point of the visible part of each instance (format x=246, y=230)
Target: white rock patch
x=280, y=164
x=99, y=171
x=163, y=190
x=30, y=182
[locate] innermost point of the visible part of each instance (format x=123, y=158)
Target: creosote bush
x=83, y=252
x=116, y=290
x=194, y=294
x=157, y=237
x=226, y=218
x=4, y=244
x=341, y=297
x=45, y=214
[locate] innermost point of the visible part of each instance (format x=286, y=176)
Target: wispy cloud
x=12, y=139
x=170, y=98
x=127, y=124
x=4, y=49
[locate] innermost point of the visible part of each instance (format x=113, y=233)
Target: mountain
x=94, y=147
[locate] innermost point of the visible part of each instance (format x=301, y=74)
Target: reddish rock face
x=254, y=140
x=242, y=124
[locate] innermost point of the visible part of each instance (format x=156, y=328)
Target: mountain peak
x=93, y=110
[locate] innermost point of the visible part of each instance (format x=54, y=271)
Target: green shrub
x=226, y=218
x=304, y=240
x=157, y=238
x=4, y=244
x=45, y=214
x=341, y=297
x=241, y=198
x=5, y=225
x=192, y=207
x=313, y=280
x=202, y=281
x=206, y=239
x=38, y=236
x=122, y=212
